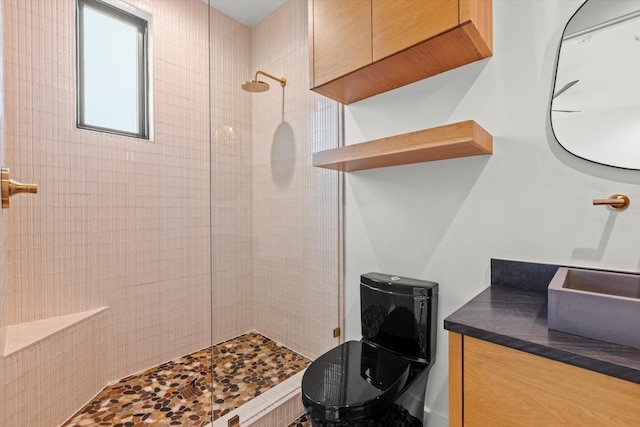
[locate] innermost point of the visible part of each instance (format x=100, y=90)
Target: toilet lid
x=353, y=380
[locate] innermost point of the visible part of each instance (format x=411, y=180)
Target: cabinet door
x=341, y=38
x=400, y=24
x=505, y=387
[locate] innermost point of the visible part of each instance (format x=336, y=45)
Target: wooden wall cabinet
x=493, y=385
x=360, y=48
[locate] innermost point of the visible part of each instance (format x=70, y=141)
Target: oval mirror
x=595, y=106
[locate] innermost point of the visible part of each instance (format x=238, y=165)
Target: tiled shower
x=217, y=227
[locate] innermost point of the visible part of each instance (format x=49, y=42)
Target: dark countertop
x=516, y=317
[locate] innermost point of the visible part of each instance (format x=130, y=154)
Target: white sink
x=596, y=304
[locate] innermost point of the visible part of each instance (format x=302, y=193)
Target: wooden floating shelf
x=461, y=139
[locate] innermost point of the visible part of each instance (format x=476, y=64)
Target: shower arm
x=283, y=81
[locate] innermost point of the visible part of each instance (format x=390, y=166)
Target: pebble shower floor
x=178, y=393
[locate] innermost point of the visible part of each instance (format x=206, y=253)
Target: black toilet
x=380, y=380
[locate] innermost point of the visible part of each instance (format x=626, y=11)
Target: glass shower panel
x=275, y=219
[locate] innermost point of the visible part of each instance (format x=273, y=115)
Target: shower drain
x=191, y=390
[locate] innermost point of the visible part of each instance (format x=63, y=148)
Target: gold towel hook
x=11, y=187
x=617, y=202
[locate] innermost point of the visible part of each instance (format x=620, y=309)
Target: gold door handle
x=616, y=202
x=11, y=187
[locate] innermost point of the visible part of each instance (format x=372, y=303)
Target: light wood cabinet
x=337, y=53
x=360, y=48
x=400, y=24
x=493, y=385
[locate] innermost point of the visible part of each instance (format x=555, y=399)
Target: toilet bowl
x=381, y=379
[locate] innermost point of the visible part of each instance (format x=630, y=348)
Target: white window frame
x=142, y=20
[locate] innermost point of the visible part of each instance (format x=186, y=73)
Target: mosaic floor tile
x=301, y=422
x=178, y=393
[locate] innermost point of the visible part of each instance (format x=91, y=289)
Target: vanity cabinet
x=493, y=385
x=360, y=48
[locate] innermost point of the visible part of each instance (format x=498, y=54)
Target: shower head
x=256, y=85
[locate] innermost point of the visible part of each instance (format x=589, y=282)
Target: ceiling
x=247, y=12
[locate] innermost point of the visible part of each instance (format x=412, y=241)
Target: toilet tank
x=400, y=314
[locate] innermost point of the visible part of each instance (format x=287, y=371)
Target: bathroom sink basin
x=596, y=304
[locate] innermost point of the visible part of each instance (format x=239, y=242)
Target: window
x=113, y=68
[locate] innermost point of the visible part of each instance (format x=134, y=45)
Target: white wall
x=530, y=200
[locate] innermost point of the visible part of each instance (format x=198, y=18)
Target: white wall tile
x=131, y=224
x=295, y=218
x=117, y=222
x=3, y=227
